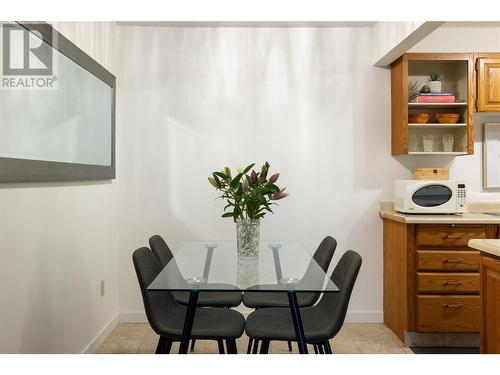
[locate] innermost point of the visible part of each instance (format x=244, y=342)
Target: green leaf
x=228, y=214
x=273, y=187
x=264, y=170
x=221, y=175
x=236, y=180
x=245, y=171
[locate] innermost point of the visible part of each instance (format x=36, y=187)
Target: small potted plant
x=434, y=81
x=249, y=197
x=413, y=90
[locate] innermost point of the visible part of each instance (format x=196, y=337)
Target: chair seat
x=212, y=299
x=257, y=300
x=209, y=324
x=277, y=324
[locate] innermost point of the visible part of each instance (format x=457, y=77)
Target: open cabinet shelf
x=456, y=70
x=456, y=104
x=435, y=153
x=433, y=125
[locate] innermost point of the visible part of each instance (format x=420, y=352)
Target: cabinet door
x=490, y=300
x=488, y=85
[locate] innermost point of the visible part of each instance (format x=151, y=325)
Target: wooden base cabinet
x=490, y=301
x=431, y=278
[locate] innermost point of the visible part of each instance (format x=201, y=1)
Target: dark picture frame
x=25, y=170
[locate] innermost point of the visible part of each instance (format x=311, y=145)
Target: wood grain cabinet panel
x=450, y=282
x=488, y=84
x=448, y=260
x=433, y=280
x=448, y=313
x=490, y=300
x=448, y=235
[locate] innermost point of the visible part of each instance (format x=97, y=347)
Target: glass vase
x=247, y=237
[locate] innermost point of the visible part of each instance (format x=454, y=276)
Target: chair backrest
x=161, y=309
x=160, y=249
x=333, y=306
x=324, y=253
x=323, y=256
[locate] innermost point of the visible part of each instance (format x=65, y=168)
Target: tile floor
x=352, y=339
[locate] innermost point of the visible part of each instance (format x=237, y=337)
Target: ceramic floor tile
x=352, y=339
x=344, y=346
x=366, y=346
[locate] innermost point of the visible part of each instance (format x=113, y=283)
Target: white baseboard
x=352, y=316
x=99, y=339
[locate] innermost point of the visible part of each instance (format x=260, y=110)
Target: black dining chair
x=259, y=300
x=206, y=298
x=166, y=316
x=321, y=322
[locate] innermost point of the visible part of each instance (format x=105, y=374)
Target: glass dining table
x=281, y=266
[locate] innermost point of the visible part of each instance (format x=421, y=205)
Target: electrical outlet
x=103, y=288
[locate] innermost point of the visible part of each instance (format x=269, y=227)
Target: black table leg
x=188, y=322
x=297, y=322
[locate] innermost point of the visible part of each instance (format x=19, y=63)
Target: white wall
x=307, y=100
x=57, y=241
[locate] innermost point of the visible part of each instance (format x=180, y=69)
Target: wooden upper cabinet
x=488, y=83
x=457, y=73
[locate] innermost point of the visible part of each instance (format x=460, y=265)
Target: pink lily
x=280, y=195
x=273, y=178
x=254, y=177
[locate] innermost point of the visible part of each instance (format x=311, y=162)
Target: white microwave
x=429, y=196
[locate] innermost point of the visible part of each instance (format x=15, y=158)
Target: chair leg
x=315, y=348
x=320, y=348
x=220, y=344
x=164, y=346
x=255, y=346
x=231, y=346
x=249, y=347
x=289, y=345
x=264, y=347
x=328, y=347
x=193, y=342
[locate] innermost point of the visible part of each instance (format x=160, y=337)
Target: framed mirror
x=491, y=156
x=57, y=108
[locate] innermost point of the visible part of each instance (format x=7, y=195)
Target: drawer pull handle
x=446, y=237
x=452, y=283
x=452, y=260
x=451, y=305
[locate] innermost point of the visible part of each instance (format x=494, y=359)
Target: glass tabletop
x=216, y=266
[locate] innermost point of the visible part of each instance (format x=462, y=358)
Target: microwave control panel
x=461, y=197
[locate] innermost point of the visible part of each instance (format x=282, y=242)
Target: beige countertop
x=465, y=218
x=387, y=212
x=486, y=246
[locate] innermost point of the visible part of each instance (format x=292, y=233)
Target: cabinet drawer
x=448, y=235
x=448, y=314
x=450, y=282
x=444, y=260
